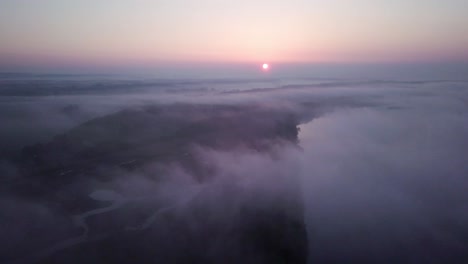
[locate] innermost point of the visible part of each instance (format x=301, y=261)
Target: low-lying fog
x=382, y=167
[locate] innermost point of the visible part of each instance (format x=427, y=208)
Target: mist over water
x=253, y=132
x=383, y=186
x=376, y=173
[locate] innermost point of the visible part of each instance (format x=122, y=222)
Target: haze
x=251, y=132
x=152, y=33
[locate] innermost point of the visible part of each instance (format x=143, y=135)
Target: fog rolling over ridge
x=100, y=169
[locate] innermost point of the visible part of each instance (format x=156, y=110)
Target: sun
x=265, y=66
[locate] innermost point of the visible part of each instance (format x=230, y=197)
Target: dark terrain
x=89, y=218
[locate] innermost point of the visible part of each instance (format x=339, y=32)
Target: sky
x=145, y=32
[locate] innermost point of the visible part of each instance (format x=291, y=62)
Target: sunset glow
x=152, y=33
x=265, y=66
